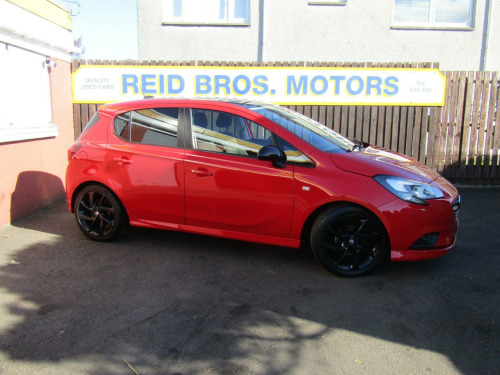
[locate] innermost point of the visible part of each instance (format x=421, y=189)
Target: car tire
x=99, y=214
x=348, y=240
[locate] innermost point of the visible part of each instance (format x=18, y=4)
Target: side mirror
x=272, y=154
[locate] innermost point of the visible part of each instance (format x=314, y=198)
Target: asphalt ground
x=159, y=302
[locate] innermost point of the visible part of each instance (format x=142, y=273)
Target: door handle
x=123, y=161
x=201, y=173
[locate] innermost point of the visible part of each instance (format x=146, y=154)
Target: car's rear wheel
x=348, y=240
x=98, y=213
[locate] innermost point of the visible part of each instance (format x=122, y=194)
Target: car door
x=145, y=161
x=227, y=188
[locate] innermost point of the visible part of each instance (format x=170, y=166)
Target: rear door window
x=150, y=126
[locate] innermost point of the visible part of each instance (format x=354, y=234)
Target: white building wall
x=32, y=32
x=183, y=43
x=493, y=53
x=293, y=30
x=36, y=112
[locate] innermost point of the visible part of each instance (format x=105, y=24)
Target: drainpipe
x=260, y=46
x=486, y=33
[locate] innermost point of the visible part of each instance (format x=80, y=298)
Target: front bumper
x=421, y=232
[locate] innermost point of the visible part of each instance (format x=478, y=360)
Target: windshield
x=307, y=129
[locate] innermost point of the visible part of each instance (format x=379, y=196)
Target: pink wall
x=32, y=172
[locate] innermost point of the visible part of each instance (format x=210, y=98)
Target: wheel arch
x=306, y=228
x=83, y=185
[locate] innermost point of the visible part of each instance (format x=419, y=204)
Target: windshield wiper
x=358, y=145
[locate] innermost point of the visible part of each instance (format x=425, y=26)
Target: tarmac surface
x=159, y=302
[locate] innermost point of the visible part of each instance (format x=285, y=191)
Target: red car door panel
x=150, y=180
x=240, y=194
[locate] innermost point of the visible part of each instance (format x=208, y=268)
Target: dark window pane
x=122, y=128
x=223, y=132
x=152, y=126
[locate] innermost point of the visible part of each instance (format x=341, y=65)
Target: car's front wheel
x=348, y=240
x=98, y=213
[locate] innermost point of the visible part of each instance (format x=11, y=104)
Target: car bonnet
x=372, y=161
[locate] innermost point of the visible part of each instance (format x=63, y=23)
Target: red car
x=256, y=172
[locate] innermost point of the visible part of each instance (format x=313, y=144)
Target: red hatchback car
x=256, y=172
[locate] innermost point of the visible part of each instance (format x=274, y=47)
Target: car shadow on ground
x=175, y=303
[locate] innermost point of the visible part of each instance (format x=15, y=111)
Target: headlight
x=410, y=191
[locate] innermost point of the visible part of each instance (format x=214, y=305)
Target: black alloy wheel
x=98, y=213
x=348, y=241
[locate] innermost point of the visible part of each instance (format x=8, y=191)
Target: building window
x=206, y=12
x=25, y=105
x=327, y=2
x=434, y=14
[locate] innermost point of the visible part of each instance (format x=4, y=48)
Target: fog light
x=427, y=241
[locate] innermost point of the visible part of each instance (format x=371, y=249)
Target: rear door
x=145, y=161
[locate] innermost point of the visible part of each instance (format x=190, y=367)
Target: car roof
x=183, y=102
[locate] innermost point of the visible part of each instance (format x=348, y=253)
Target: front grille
x=456, y=207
